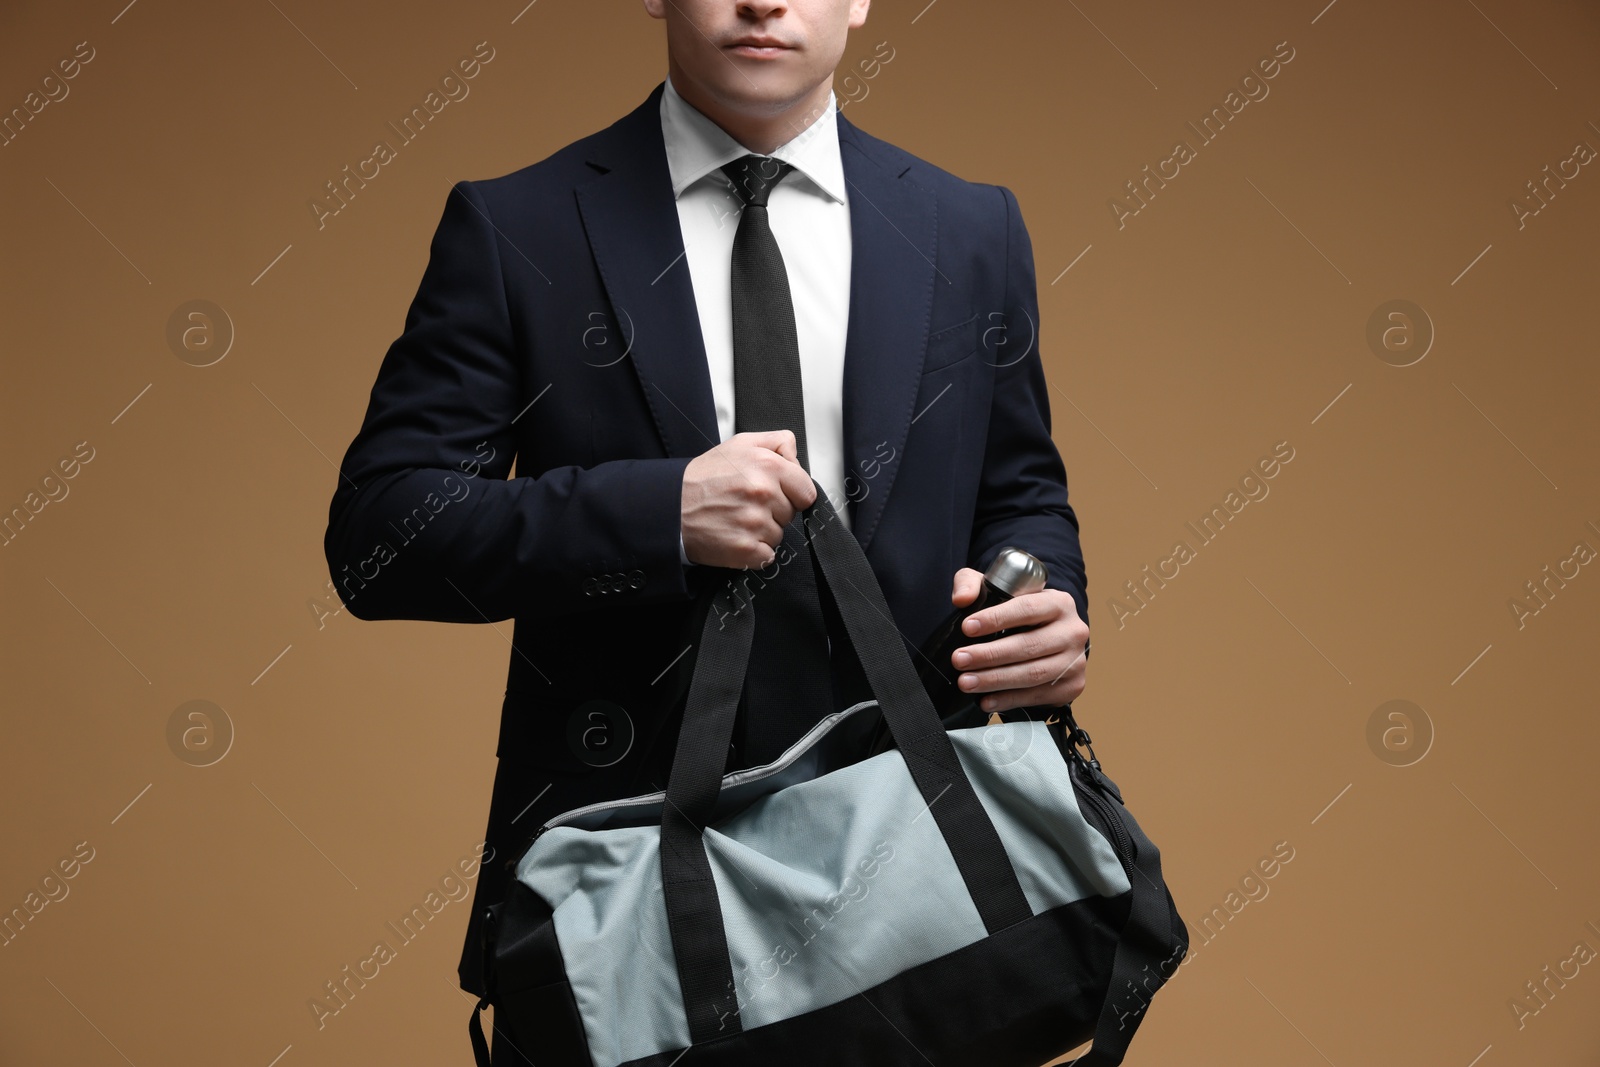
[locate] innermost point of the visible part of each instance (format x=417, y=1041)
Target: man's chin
x=767, y=92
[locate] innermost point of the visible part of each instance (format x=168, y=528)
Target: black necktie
x=788, y=682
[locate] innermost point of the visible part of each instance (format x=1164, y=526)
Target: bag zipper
x=1121, y=843
x=800, y=746
x=1095, y=792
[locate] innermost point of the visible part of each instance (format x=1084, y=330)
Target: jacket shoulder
x=568, y=166
x=562, y=169
x=950, y=188
x=979, y=224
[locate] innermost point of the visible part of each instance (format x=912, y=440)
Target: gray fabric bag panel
x=826, y=885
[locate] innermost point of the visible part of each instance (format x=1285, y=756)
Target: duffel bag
x=976, y=896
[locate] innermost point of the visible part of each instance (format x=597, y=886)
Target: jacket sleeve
x=424, y=522
x=1022, y=495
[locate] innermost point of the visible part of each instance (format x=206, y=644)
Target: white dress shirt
x=810, y=219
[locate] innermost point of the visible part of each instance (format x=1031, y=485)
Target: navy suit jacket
x=555, y=326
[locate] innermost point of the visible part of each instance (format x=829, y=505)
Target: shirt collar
x=697, y=146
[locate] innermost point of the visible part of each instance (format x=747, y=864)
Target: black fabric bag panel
x=947, y=1011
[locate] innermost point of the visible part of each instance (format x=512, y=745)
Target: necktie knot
x=754, y=177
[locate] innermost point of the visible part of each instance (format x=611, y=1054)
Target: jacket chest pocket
x=951, y=344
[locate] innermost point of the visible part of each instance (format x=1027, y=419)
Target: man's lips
x=759, y=46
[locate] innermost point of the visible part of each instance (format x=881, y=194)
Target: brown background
x=1230, y=314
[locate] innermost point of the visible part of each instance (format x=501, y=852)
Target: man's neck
x=758, y=133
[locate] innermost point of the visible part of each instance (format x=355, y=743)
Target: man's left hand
x=1043, y=666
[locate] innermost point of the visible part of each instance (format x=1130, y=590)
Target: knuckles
x=759, y=490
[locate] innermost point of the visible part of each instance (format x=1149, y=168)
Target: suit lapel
x=631, y=221
x=893, y=238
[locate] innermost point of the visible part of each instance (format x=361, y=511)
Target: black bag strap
x=694, y=913
x=480, y=1046
x=917, y=729
x=1153, y=939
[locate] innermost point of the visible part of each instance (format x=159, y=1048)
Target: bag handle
x=694, y=914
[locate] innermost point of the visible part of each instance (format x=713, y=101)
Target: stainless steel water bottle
x=1013, y=573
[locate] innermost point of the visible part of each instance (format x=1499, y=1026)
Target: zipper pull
x=1107, y=784
x=1078, y=737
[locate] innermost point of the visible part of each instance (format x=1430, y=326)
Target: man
x=595, y=316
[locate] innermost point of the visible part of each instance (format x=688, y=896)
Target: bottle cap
x=1015, y=572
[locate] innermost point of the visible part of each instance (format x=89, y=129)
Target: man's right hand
x=739, y=496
